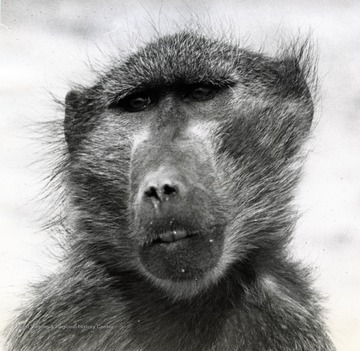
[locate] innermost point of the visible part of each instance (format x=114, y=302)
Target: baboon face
x=179, y=216
x=177, y=158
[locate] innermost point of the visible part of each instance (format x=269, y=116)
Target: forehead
x=183, y=58
x=188, y=58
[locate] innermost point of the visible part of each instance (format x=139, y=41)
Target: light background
x=46, y=44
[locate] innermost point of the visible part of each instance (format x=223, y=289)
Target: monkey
x=180, y=168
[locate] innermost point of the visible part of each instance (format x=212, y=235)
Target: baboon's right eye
x=138, y=103
x=135, y=102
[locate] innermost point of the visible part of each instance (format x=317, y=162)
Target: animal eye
x=202, y=92
x=136, y=102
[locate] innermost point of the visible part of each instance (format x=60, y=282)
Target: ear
x=73, y=102
x=295, y=78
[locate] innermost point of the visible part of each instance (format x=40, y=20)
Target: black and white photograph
x=179, y=175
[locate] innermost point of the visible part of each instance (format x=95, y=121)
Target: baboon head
x=182, y=160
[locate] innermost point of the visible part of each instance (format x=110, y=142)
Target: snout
x=163, y=187
x=179, y=225
x=166, y=206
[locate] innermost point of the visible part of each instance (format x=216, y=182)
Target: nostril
x=169, y=189
x=159, y=193
x=151, y=192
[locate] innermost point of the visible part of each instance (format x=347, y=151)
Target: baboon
x=180, y=168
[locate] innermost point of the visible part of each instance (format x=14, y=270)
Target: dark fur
x=259, y=299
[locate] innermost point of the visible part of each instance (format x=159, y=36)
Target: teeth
x=175, y=235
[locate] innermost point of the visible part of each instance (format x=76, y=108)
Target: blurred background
x=46, y=45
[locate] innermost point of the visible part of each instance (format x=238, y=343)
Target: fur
x=254, y=297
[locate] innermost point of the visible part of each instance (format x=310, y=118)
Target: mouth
x=181, y=254
x=172, y=236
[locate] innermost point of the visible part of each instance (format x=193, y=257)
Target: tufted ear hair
x=73, y=107
x=294, y=87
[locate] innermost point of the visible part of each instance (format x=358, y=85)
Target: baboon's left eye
x=202, y=92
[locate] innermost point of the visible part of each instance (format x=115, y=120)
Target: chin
x=183, y=262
